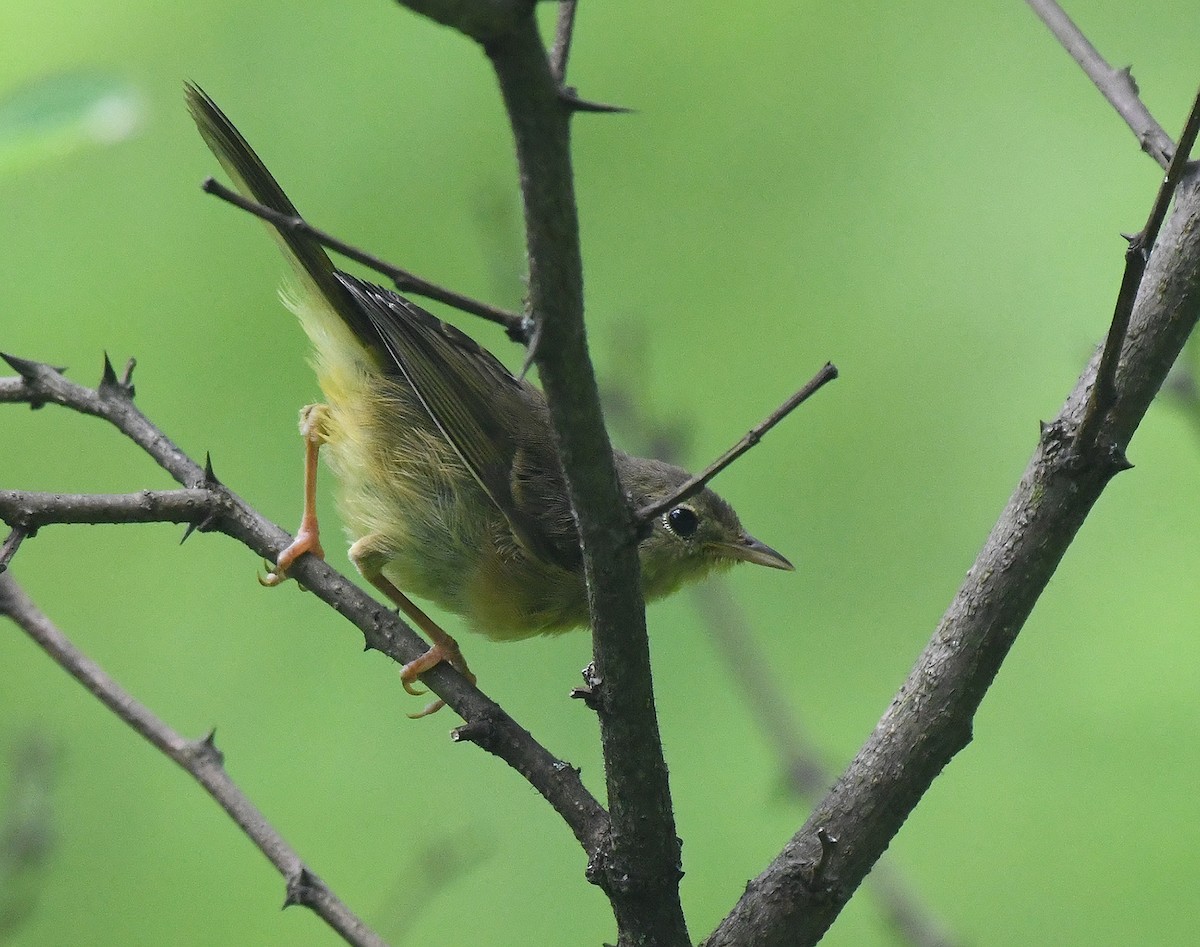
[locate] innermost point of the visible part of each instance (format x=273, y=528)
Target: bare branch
x=1141, y=245
x=930, y=718
x=641, y=873
x=488, y=724
x=482, y=20
x=694, y=485
x=31, y=511
x=518, y=326
x=199, y=758
x=564, y=30
x=1116, y=85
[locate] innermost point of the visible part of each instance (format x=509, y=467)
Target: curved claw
x=431, y=708
x=430, y=659
x=274, y=576
x=307, y=541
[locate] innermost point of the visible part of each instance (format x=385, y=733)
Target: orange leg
x=308, y=538
x=443, y=648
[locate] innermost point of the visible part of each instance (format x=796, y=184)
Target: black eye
x=682, y=522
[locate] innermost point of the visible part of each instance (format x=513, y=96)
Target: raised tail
x=252, y=178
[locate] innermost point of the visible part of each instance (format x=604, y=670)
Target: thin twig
x=694, y=485
x=199, y=758
x=12, y=542
x=517, y=325
x=1137, y=254
x=1116, y=85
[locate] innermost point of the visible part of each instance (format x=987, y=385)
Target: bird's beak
x=748, y=549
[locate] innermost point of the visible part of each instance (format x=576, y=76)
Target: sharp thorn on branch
x=531, y=351
x=24, y=367
x=300, y=888
x=568, y=96
x=210, y=478
x=111, y=385
x=108, y=377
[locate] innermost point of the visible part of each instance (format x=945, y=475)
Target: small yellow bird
x=451, y=488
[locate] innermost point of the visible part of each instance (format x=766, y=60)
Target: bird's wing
x=496, y=424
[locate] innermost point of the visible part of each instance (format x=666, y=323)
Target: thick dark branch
x=482, y=20
x=487, y=724
x=199, y=758
x=518, y=326
x=1116, y=85
x=641, y=874
x=930, y=718
x=694, y=485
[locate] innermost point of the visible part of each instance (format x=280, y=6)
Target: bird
x=450, y=486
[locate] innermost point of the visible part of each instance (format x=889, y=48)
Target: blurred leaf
x=57, y=115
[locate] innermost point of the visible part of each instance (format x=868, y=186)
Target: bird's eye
x=682, y=522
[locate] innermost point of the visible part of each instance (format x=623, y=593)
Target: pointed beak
x=748, y=549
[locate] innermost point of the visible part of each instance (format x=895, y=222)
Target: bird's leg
x=369, y=558
x=308, y=539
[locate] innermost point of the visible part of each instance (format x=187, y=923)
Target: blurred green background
x=928, y=195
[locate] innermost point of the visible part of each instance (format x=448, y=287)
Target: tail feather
x=252, y=178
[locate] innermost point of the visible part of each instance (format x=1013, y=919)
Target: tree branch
x=1136, y=256
x=695, y=484
x=199, y=758
x=642, y=871
x=1116, y=85
x=486, y=722
x=405, y=281
x=930, y=718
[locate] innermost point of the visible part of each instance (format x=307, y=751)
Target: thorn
x=24, y=367
x=521, y=332
x=210, y=478
x=1117, y=460
x=300, y=888
x=109, y=384
x=531, y=351
x=569, y=97
x=205, y=749
x=189, y=529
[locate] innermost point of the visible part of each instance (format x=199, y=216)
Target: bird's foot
x=437, y=653
x=307, y=540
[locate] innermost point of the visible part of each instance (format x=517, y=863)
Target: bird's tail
x=252, y=178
